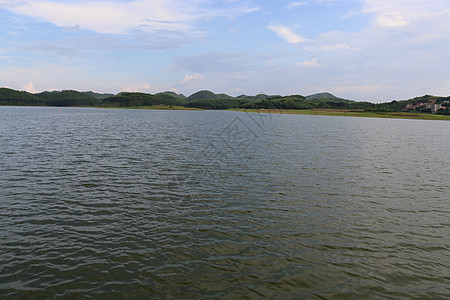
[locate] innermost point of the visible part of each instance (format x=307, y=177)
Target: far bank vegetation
x=209, y=100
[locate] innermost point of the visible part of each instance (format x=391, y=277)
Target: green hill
x=257, y=97
x=217, y=103
x=209, y=100
x=207, y=95
x=427, y=98
x=224, y=96
x=67, y=98
x=98, y=96
x=173, y=94
x=141, y=99
x=279, y=102
x=13, y=97
x=325, y=97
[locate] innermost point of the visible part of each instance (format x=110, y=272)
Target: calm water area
x=159, y=204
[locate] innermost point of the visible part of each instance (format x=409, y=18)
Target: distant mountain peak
x=321, y=95
x=326, y=96
x=173, y=94
x=205, y=94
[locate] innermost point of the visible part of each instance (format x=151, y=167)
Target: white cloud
x=286, y=33
x=394, y=13
x=122, y=16
x=188, y=78
x=391, y=20
x=30, y=88
x=308, y=64
x=296, y=4
x=401, y=52
x=137, y=88
x=174, y=90
x=335, y=47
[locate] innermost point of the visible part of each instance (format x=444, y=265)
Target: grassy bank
x=350, y=113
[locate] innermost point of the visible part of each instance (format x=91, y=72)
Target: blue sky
x=373, y=50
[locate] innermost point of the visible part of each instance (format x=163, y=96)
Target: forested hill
x=142, y=99
x=57, y=98
x=13, y=97
x=98, y=95
x=68, y=98
x=207, y=95
x=321, y=97
x=75, y=98
x=209, y=100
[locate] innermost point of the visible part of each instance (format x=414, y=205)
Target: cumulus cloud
x=308, y=64
x=176, y=91
x=391, y=20
x=286, y=33
x=118, y=17
x=188, y=78
x=395, y=13
x=30, y=88
x=296, y=4
x=335, y=47
x=394, y=50
x=399, y=54
x=137, y=88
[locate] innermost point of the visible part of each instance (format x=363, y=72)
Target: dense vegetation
x=141, y=99
x=257, y=97
x=74, y=98
x=207, y=95
x=67, y=98
x=13, y=97
x=98, y=96
x=217, y=103
x=209, y=100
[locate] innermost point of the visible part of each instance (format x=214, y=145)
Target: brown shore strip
x=351, y=113
x=313, y=112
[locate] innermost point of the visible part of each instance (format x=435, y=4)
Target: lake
x=160, y=204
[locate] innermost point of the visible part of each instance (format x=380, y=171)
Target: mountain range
x=208, y=100
x=66, y=97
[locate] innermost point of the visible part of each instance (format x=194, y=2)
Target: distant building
x=409, y=106
x=431, y=105
x=435, y=107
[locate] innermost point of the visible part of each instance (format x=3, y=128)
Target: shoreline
x=310, y=112
x=350, y=113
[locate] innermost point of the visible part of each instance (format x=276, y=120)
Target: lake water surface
x=138, y=204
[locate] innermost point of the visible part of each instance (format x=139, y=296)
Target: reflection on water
x=208, y=204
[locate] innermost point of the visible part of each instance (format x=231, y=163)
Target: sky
x=367, y=50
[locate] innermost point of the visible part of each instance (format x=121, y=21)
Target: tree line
x=209, y=100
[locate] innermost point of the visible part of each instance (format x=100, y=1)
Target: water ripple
x=127, y=204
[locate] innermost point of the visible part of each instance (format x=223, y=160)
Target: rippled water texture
x=104, y=203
